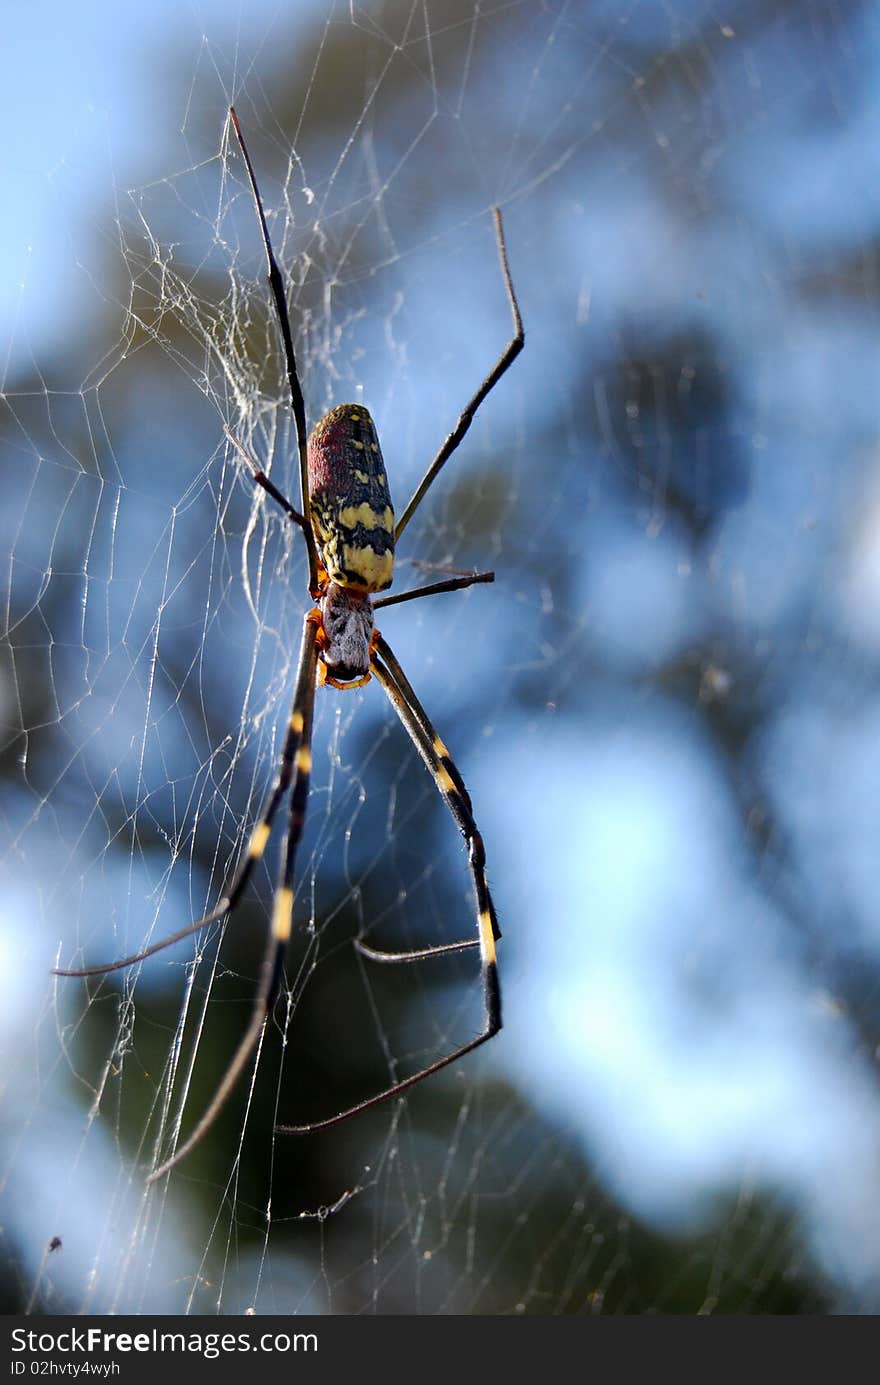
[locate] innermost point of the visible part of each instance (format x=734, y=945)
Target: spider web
x=665, y=709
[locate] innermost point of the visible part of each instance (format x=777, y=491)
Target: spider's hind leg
x=442, y=768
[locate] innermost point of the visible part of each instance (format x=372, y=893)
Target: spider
x=350, y=537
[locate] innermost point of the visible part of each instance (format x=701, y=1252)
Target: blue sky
x=81, y=107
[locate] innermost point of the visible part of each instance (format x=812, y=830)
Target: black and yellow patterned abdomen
x=349, y=503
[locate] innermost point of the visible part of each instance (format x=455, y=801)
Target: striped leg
x=297, y=764
x=256, y=846
x=439, y=763
x=449, y=782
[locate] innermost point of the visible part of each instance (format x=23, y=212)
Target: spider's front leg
x=260, y=478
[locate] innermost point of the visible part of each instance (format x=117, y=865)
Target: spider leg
x=261, y=479
x=438, y=762
x=466, y=417
x=298, y=761
x=256, y=847
x=452, y=584
x=101, y=970
x=276, y=284
x=417, y=956
x=436, y=757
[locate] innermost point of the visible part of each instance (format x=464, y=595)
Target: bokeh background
x=666, y=708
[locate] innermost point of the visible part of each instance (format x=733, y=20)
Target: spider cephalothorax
x=346, y=639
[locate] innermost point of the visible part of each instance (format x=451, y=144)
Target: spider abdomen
x=349, y=502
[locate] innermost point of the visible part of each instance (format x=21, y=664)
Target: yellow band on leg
x=282, y=914
x=444, y=779
x=487, y=937
x=258, y=841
